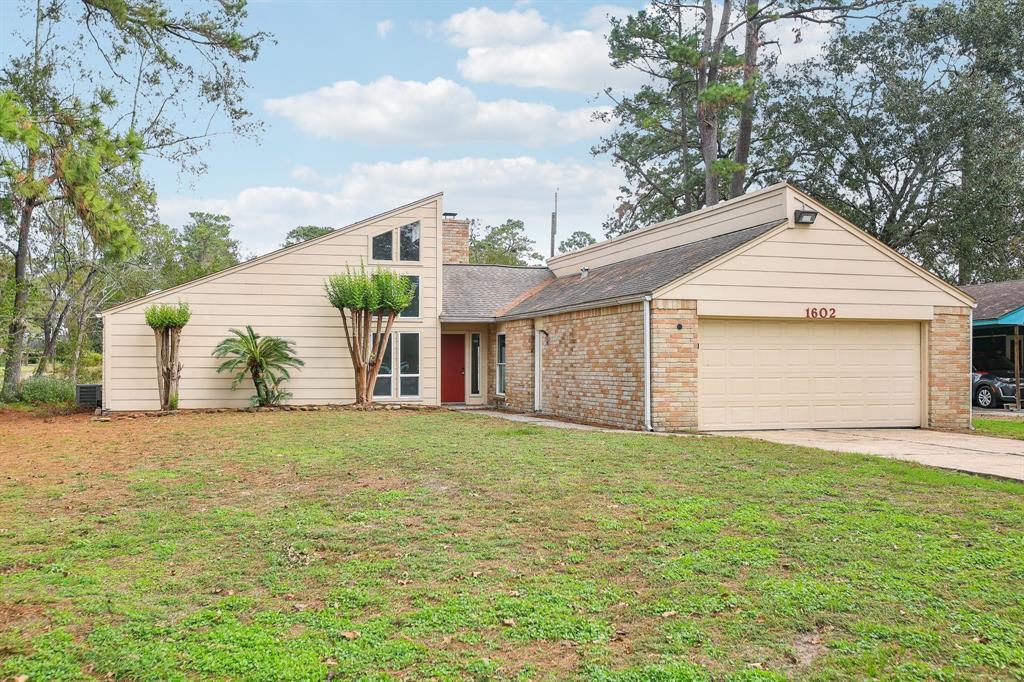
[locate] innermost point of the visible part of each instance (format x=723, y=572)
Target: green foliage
x=265, y=359
x=203, y=246
x=913, y=129
x=576, y=241
x=303, y=233
x=505, y=244
x=167, y=316
x=46, y=390
x=383, y=290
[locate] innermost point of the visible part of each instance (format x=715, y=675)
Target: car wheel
x=984, y=397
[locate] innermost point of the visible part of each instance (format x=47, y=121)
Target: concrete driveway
x=1001, y=457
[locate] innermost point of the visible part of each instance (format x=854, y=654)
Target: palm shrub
x=167, y=321
x=265, y=359
x=369, y=304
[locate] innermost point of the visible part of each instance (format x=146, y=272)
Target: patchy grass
x=1006, y=428
x=291, y=546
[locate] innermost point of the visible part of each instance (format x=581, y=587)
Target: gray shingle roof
x=996, y=299
x=634, y=277
x=478, y=292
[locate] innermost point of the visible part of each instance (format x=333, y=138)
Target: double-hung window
x=500, y=363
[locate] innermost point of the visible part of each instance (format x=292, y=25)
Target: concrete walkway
x=1002, y=457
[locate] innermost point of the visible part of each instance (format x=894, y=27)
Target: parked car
x=992, y=381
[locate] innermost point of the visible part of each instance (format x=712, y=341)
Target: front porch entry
x=464, y=363
x=453, y=368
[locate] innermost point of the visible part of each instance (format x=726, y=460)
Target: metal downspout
x=970, y=373
x=647, y=364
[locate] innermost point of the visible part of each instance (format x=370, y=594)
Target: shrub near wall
x=47, y=391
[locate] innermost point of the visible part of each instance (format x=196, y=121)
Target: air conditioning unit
x=89, y=396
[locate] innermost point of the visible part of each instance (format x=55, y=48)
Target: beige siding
x=822, y=265
x=280, y=294
x=752, y=209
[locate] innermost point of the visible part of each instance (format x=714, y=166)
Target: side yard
x=1006, y=428
x=305, y=546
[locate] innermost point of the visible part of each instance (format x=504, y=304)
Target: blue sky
x=370, y=105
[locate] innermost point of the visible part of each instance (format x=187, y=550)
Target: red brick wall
x=455, y=240
x=593, y=366
x=673, y=365
x=949, y=352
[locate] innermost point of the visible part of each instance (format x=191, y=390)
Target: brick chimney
x=454, y=239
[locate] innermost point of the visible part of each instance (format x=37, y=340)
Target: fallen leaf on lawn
x=509, y=622
x=668, y=614
x=350, y=634
x=477, y=574
x=299, y=607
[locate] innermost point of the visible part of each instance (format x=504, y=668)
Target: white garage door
x=775, y=374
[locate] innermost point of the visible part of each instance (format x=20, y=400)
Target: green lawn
x=302, y=546
x=1007, y=428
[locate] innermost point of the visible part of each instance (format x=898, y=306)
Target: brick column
x=673, y=365
x=455, y=240
x=949, y=369
x=518, y=364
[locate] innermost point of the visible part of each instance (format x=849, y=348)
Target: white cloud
x=519, y=48
x=384, y=28
x=483, y=26
x=490, y=190
x=438, y=112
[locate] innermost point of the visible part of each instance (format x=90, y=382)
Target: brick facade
x=518, y=364
x=455, y=240
x=673, y=365
x=949, y=370
x=592, y=366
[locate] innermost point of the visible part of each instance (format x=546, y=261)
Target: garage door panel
x=764, y=374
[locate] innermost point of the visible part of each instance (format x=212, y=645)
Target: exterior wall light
x=804, y=216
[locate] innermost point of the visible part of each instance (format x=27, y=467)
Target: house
x=766, y=311
x=998, y=343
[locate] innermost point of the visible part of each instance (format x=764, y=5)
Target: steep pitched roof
x=997, y=298
x=269, y=256
x=635, y=277
x=477, y=292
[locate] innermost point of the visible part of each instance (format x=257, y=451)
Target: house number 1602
x=820, y=312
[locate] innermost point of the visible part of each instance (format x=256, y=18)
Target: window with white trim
x=500, y=364
x=405, y=240
x=408, y=364
x=414, y=308
x=474, y=363
x=382, y=388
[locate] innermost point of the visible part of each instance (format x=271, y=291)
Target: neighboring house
x=732, y=317
x=998, y=347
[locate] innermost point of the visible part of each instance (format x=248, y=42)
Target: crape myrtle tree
x=369, y=304
x=167, y=321
x=98, y=83
x=684, y=138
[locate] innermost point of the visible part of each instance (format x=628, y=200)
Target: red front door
x=453, y=368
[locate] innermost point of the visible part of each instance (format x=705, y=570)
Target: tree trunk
x=168, y=369
x=746, y=125
x=16, y=329
x=76, y=353
x=707, y=124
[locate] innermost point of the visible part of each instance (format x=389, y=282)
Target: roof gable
x=273, y=255
x=635, y=277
